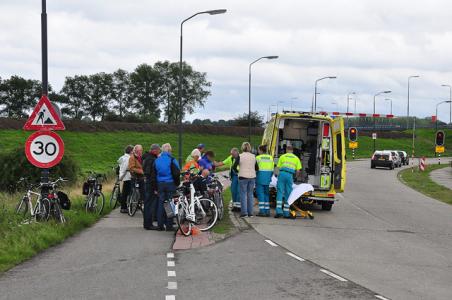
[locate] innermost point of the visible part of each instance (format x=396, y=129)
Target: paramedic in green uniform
x=288, y=165
x=264, y=177
x=235, y=188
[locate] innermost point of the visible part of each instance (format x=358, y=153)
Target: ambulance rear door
x=339, y=154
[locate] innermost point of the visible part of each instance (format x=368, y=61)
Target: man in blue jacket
x=166, y=185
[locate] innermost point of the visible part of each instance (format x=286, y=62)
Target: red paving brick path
x=194, y=241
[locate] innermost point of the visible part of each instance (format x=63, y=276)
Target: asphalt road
x=381, y=235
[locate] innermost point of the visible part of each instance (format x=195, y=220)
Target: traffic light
x=439, y=141
x=353, y=134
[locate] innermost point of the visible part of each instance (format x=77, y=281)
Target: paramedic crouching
x=288, y=165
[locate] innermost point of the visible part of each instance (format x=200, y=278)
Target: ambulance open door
x=339, y=154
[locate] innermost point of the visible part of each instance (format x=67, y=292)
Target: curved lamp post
x=314, y=106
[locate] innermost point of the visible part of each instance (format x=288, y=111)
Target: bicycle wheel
x=42, y=210
x=114, y=196
x=132, y=202
x=183, y=224
x=218, y=199
x=58, y=213
x=22, y=206
x=95, y=203
x=206, y=213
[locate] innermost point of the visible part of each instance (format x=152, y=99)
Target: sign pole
x=45, y=80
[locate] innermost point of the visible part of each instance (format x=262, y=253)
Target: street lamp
x=249, y=91
x=408, y=102
x=436, y=114
x=209, y=12
x=314, y=105
x=277, y=106
x=450, y=99
x=375, y=96
x=269, y=114
x=348, y=101
x=391, y=103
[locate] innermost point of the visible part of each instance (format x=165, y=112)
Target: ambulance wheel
x=327, y=206
x=311, y=216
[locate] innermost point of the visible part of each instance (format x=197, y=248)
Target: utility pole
x=45, y=68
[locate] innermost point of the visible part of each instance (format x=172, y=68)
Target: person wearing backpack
x=167, y=172
x=150, y=187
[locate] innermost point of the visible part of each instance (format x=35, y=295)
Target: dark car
x=382, y=159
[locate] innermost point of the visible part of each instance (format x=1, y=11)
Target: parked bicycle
x=92, y=188
x=215, y=192
x=134, y=201
x=192, y=209
x=25, y=204
x=116, y=193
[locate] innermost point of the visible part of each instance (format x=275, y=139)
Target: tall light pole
x=387, y=99
x=277, y=105
x=44, y=57
x=181, y=112
x=314, y=104
x=269, y=115
x=450, y=99
x=249, y=91
x=375, y=120
x=348, y=101
x=436, y=114
x=408, y=102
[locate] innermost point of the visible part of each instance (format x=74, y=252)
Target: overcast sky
x=369, y=45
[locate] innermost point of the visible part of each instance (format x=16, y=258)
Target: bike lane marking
x=271, y=243
x=295, y=256
x=333, y=275
x=381, y=297
x=172, y=285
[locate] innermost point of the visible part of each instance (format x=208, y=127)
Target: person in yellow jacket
x=288, y=165
x=234, y=176
x=263, y=179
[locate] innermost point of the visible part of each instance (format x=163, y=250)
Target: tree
x=74, y=92
x=120, y=92
x=194, y=89
x=257, y=120
x=146, y=91
x=99, y=92
x=17, y=95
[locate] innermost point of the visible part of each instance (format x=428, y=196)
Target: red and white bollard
x=422, y=164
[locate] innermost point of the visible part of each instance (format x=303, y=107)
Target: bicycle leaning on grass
x=25, y=204
x=192, y=209
x=116, y=193
x=92, y=188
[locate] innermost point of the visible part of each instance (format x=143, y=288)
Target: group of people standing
x=157, y=175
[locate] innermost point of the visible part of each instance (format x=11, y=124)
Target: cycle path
x=114, y=259
x=443, y=177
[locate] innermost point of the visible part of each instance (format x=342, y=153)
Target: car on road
x=396, y=158
x=404, y=157
x=382, y=159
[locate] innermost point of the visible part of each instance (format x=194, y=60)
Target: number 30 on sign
x=44, y=149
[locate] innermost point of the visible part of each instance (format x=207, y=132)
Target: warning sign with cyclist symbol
x=44, y=149
x=44, y=117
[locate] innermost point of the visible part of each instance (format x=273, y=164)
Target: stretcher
x=299, y=204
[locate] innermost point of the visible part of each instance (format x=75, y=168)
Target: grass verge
x=225, y=225
x=421, y=182
x=19, y=242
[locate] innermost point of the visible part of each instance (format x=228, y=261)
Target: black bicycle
x=92, y=188
x=134, y=201
x=116, y=193
x=215, y=191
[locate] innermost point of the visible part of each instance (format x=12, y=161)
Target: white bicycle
x=194, y=210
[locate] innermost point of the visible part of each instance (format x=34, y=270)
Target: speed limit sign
x=44, y=149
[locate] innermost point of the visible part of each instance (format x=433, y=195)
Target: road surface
x=381, y=234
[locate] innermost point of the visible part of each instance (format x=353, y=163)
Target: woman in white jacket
x=124, y=176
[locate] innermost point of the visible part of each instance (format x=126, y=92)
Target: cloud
x=369, y=45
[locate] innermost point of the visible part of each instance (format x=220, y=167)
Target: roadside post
x=439, y=144
x=44, y=148
x=353, y=140
x=422, y=163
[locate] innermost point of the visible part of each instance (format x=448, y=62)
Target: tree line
x=144, y=95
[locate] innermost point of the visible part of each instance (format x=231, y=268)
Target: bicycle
x=116, y=193
x=215, y=191
x=134, y=200
x=25, y=204
x=194, y=210
x=95, y=199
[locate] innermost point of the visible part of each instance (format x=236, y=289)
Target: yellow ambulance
x=319, y=141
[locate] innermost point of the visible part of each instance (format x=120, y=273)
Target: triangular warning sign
x=44, y=117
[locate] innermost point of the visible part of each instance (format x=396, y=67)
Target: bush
x=15, y=165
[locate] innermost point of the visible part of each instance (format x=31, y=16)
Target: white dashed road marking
x=171, y=263
x=170, y=297
x=295, y=256
x=170, y=255
x=333, y=275
x=381, y=297
x=171, y=273
x=271, y=243
x=172, y=285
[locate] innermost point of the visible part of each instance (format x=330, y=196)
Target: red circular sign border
x=36, y=163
